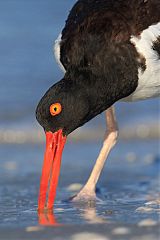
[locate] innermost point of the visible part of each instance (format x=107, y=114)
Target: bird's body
x=144, y=37
x=148, y=80
x=109, y=51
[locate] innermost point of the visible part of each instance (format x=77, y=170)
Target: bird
x=109, y=51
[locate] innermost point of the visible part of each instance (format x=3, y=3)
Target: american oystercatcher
x=109, y=51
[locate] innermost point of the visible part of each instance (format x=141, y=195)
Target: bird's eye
x=55, y=109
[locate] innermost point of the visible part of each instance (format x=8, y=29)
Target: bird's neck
x=100, y=91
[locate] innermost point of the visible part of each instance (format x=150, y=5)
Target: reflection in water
x=90, y=215
x=88, y=210
x=47, y=219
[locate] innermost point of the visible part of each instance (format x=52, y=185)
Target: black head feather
x=75, y=107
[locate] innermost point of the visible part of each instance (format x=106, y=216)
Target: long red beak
x=51, y=169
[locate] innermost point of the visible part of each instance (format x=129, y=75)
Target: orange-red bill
x=47, y=219
x=51, y=169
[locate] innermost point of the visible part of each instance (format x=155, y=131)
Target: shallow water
x=28, y=67
x=128, y=188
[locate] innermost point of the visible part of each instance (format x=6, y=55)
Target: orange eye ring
x=55, y=109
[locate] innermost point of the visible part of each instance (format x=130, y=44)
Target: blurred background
x=28, y=30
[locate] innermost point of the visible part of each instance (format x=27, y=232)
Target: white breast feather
x=57, y=52
x=149, y=80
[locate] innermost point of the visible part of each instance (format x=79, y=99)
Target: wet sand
x=128, y=193
x=86, y=232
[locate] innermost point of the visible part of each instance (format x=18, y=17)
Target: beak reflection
x=47, y=219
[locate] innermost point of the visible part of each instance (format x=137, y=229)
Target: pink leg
x=88, y=191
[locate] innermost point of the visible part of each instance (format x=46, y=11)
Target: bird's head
x=64, y=106
x=62, y=109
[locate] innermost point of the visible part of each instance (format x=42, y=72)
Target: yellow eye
x=55, y=109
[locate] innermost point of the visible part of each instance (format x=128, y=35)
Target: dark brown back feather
x=92, y=25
